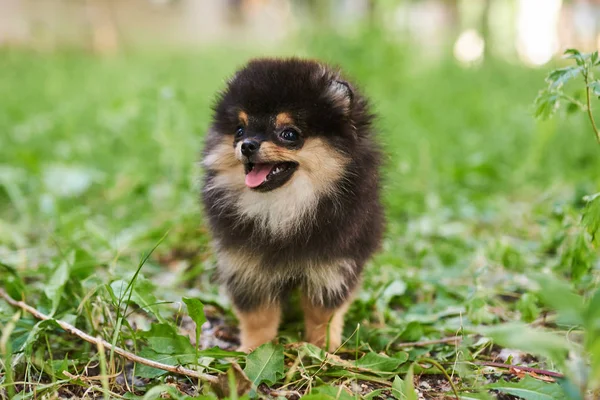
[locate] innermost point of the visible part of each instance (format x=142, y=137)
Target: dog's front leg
x=323, y=326
x=258, y=326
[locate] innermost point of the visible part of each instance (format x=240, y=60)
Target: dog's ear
x=341, y=94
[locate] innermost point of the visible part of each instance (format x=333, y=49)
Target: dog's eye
x=289, y=135
x=239, y=132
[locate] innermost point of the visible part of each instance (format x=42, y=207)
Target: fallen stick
x=521, y=368
x=96, y=341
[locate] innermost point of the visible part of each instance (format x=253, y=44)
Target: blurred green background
x=105, y=103
x=104, y=106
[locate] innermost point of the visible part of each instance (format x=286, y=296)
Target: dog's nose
x=249, y=147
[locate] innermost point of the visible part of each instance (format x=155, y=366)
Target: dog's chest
x=282, y=212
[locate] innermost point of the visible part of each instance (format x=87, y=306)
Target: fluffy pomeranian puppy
x=291, y=195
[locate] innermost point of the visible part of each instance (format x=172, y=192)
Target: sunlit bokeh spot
x=469, y=47
x=537, y=36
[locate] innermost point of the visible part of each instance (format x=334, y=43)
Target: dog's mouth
x=268, y=176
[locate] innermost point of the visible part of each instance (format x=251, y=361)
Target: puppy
x=291, y=195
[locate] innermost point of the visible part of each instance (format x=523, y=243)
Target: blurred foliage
x=484, y=238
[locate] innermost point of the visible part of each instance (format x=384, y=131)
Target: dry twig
x=519, y=367
x=97, y=341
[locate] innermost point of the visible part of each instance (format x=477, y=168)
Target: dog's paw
x=244, y=349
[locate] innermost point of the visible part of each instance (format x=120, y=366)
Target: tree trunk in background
x=104, y=34
x=372, y=14
x=319, y=11
x=453, y=17
x=485, y=28
x=596, y=8
x=235, y=12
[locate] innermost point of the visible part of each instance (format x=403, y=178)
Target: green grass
x=98, y=161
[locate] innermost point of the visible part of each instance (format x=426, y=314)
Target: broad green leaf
x=23, y=334
x=594, y=58
x=332, y=392
x=576, y=55
x=378, y=362
x=412, y=332
x=546, y=103
x=56, y=285
x=25, y=341
x=265, y=364
x=217, y=352
x=314, y=352
x=559, y=296
x=572, y=52
x=145, y=371
x=196, y=311
x=533, y=341
x=403, y=356
x=164, y=339
x=398, y=388
x=559, y=77
x=409, y=385
x=529, y=388
x=591, y=217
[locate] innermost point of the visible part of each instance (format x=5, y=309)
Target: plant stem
x=443, y=370
x=589, y=107
x=6, y=353
x=104, y=375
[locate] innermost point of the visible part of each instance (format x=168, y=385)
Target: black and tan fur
x=317, y=230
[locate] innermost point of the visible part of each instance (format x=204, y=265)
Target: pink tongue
x=258, y=174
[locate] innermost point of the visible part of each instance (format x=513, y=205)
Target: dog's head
x=282, y=135
x=281, y=118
